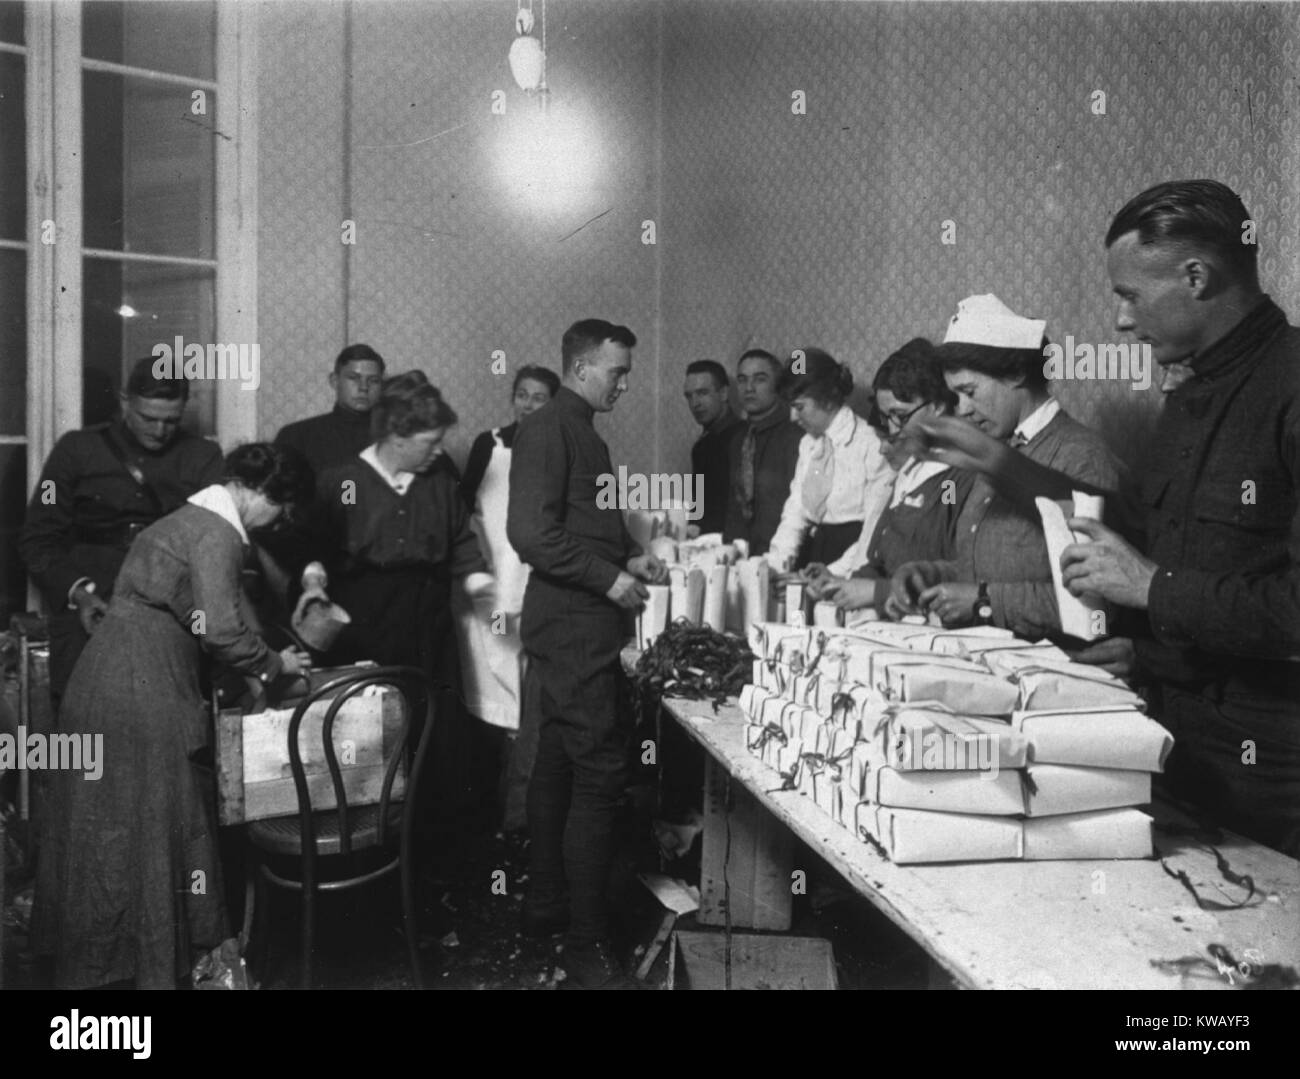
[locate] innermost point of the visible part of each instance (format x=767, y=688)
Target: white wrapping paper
x=1096, y=738
x=909, y=738
x=1079, y=614
x=912, y=836
x=715, y=598
x=1063, y=788
x=1043, y=688
x=653, y=616
x=1108, y=833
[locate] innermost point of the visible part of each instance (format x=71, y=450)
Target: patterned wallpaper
x=481, y=232
x=302, y=306
x=478, y=232
x=825, y=228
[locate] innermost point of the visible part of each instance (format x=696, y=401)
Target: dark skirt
x=129, y=879
x=825, y=543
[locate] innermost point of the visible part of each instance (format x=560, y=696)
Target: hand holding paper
x=1102, y=563
x=1078, y=606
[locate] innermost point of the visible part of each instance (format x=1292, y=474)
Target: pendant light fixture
x=527, y=54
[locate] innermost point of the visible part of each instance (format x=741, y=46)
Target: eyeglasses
x=897, y=423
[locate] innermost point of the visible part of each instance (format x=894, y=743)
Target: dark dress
x=129, y=876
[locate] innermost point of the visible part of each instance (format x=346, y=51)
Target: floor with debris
x=471, y=891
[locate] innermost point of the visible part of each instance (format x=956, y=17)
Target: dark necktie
x=747, y=454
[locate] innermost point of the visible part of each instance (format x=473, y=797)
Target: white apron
x=492, y=661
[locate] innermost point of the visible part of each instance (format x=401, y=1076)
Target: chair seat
x=283, y=835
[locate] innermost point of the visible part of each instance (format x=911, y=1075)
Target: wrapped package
x=834, y=743
x=1047, y=687
x=1108, y=833
x=785, y=758
x=804, y=688
x=1010, y=661
x=857, y=708
x=1095, y=738
x=912, y=738
x=969, y=689
x=653, y=616
x=751, y=701
x=1053, y=789
x=911, y=836
x=752, y=577
x=800, y=724
x=827, y=615
x=991, y=793
x=715, y=597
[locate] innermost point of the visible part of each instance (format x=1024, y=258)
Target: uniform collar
x=1032, y=425
x=573, y=404
x=1259, y=324
x=351, y=416
x=220, y=501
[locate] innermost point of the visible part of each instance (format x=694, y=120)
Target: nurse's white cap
x=986, y=320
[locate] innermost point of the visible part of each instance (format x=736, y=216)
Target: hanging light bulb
x=527, y=54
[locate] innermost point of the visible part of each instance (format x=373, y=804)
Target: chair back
x=412, y=685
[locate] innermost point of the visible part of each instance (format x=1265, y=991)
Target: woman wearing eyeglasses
x=129, y=879
x=927, y=495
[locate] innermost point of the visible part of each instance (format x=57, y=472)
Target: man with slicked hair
x=1218, y=576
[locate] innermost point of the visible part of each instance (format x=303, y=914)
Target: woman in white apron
x=489, y=630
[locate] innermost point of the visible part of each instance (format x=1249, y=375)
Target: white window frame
x=54, y=189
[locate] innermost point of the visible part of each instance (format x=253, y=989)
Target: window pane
x=130, y=308
x=150, y=168
x=13, y=501
x=13, y=149
x=11, y=22
x=176, y=37
x=13, y=342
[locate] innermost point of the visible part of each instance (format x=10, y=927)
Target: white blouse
x=860, y=484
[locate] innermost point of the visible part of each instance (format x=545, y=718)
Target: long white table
x=1122, y=924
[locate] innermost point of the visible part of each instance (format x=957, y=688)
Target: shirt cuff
x=478, y=583
x=314, y=576
x=89, y=584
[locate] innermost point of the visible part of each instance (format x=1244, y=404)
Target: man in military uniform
x=586, y=578
x=340, y=434
x=100, y=488
x=1218, y=579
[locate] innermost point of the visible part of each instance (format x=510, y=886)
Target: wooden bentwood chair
x=325, y=837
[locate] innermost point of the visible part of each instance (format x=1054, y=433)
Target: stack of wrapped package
x=710, y=583
x=955, y=745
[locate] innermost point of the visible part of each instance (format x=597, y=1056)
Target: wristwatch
x=983, y=609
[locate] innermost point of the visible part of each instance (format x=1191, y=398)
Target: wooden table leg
x=756, y=862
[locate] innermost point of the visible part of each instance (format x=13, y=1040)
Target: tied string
x=821, y=650
x=771, y=732
x=872, y=841
x=841, y=706
x=833, y=766
x=1242, y=880
x=1206, y=837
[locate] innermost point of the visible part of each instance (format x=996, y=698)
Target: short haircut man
x=589, y=334
x=712, y=368
x=1217, y=577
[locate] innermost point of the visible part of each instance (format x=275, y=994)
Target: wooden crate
x=254, y=778
x=757, y=962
